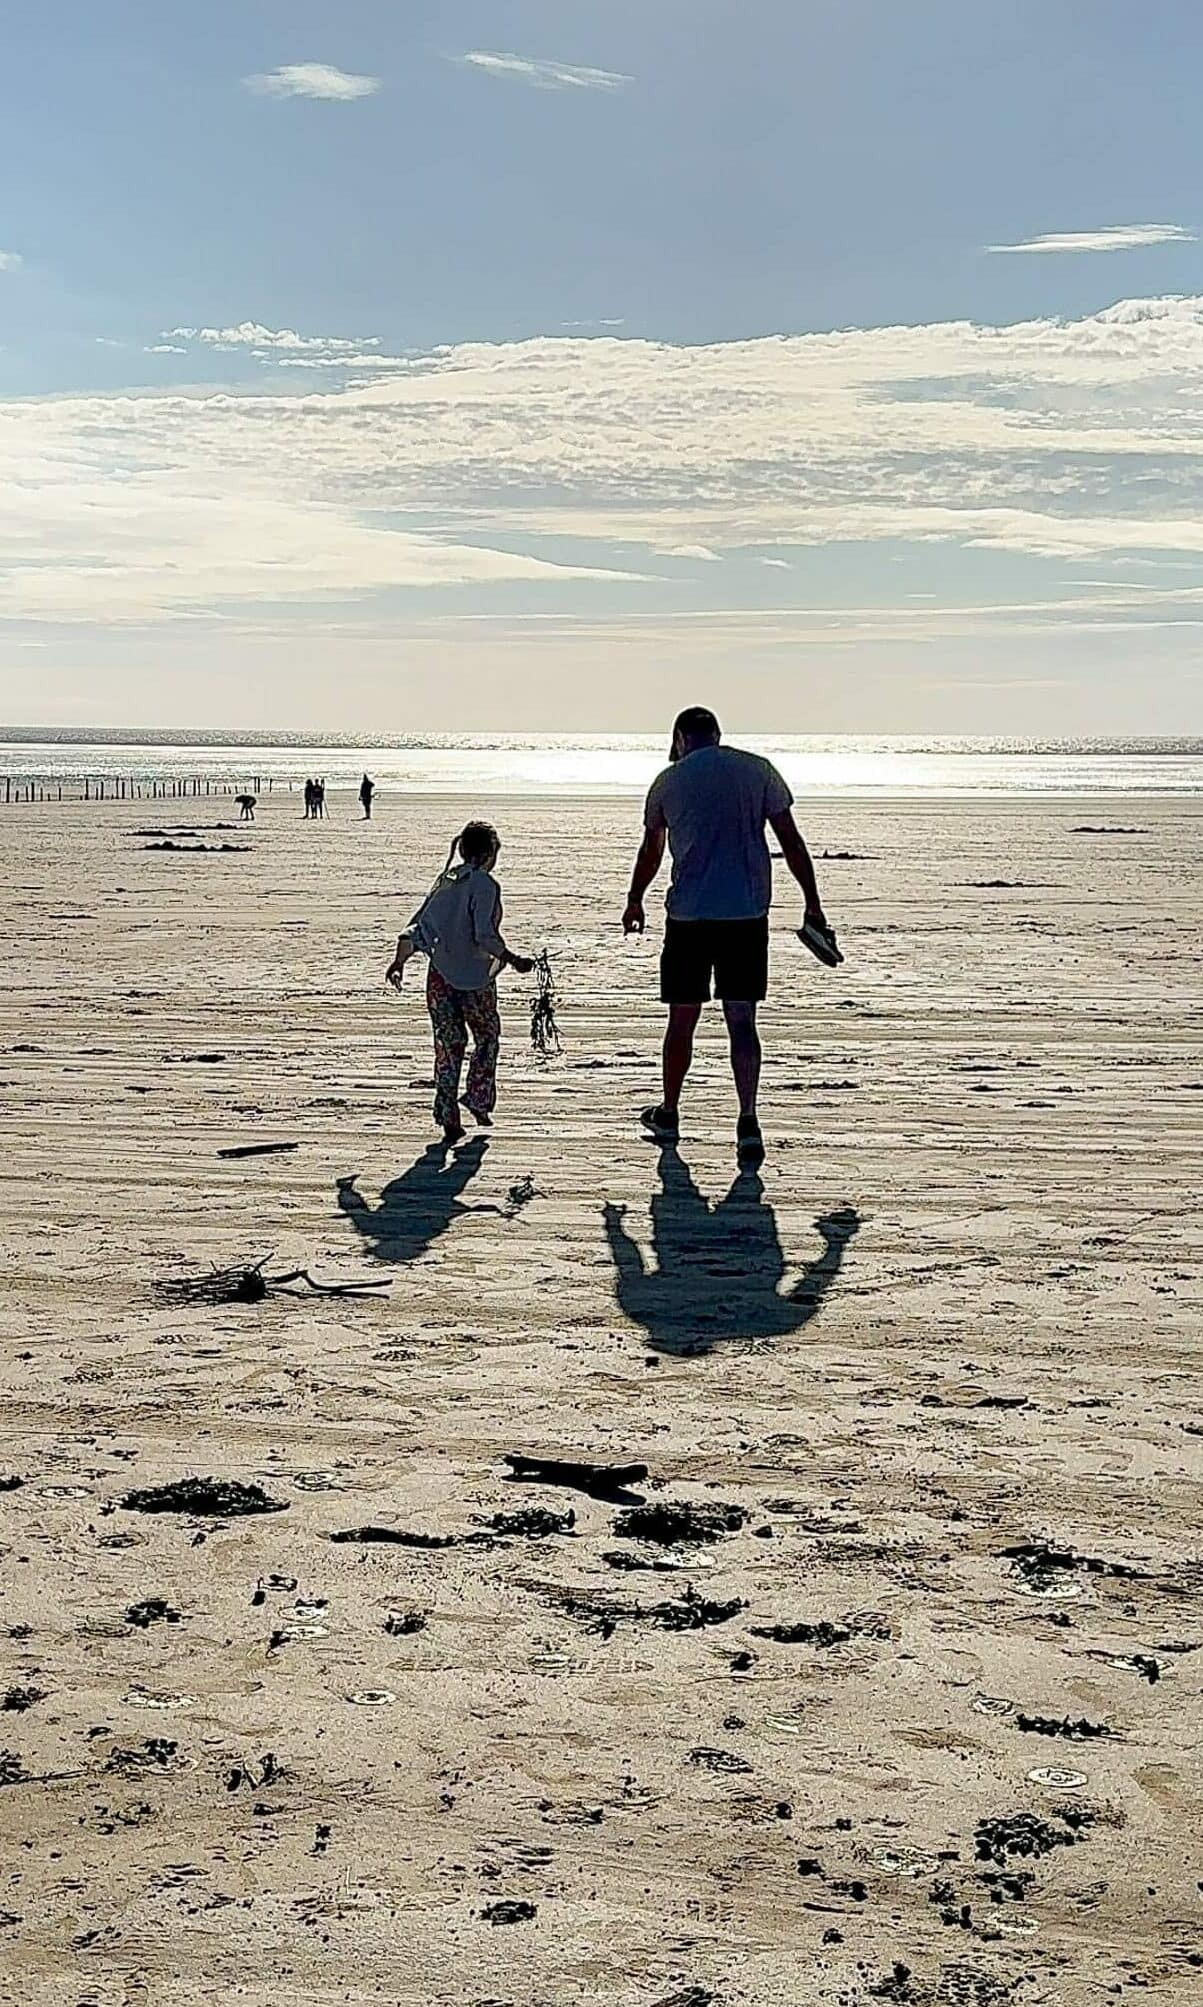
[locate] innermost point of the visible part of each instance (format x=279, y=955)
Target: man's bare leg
x=678, y=1051
x=745, y=1055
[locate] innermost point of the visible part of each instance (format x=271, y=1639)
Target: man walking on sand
x=711, y=805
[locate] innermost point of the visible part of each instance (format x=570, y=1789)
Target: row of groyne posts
x=116, y=787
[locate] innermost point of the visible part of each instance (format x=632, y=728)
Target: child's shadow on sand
x=718, y=1269
x=418, y=1206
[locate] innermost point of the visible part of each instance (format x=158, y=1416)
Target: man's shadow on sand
x=719, y=1269
x=418, y=1206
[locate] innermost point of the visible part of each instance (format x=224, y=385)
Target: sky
x=545, y=365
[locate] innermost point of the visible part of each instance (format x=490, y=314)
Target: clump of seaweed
x=544, y=1032
x=203, y=1498
x=248, y=1283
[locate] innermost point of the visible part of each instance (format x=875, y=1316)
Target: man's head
x=693, y=728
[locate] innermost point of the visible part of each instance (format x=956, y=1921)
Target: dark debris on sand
x=508, y=1912
x=203, y=1498
x=400, y=1536
x=533, y=1523
x=155, y=1610
x=19, y=1698
x=1040, y=1566
x=405, y=1623
x=669, y=1524
x=824, y=1633
x=1024, y=1835
x=603, y=1614
x=1072, y=1731
x=722, y=1761
x=608, y=1482
x=155, y=1753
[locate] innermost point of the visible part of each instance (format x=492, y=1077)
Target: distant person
x=458, y=926
x=319, y=799
x=367, y=788
x=310, y=799
x=711, y=804
x=246, y=807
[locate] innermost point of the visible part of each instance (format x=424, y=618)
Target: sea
x=495, y=764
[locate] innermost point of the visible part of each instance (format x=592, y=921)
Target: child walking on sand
x=458, y=926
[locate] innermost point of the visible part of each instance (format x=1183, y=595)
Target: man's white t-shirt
x=714, y=803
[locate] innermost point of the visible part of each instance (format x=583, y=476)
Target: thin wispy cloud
x=542, y=74
x=282, y=348
x=272, y=340
x=311, y=80
x=10, y=261
x=1114, y=237
x=699, y=553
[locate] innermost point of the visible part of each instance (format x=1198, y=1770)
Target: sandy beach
x=917, y=1720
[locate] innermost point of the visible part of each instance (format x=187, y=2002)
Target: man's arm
x=797, y=857
x=647, y=863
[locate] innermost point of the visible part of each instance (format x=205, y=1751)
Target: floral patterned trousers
x=453, y=1014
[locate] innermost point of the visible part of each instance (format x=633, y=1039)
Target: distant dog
x=246, y=803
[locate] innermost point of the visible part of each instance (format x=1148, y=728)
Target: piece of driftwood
x=257, y=1149
x=250, y=1284
x=608, y=1482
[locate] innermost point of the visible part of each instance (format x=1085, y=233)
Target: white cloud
x=776, y=563
x=10, y=261
x=544, y=75
x=278, y=344
x=1114, y=237
x=1080, y=438
x=312, y=80
x=166, y=348
x=701, y=553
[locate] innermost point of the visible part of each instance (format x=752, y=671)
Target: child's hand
x=393, y=974
x=523, y=964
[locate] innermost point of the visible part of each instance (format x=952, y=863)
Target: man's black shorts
x=734, y=953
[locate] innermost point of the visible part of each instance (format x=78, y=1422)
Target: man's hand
x=816, y=917
x=634, y=920
x=522, y=963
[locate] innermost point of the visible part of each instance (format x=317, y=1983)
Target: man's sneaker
x=660, y=1124
x=820, y=939
x=748, y=1140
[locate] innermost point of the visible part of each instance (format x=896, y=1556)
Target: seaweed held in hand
x=544, y=1032
x=203, y=1498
